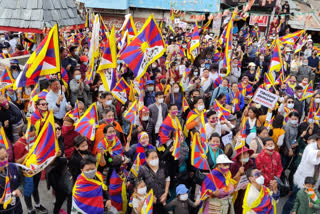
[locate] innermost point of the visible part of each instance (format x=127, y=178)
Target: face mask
x=176, y=90
x=195, y=73
x=76, y=53
x=258, y=106
x=200, y=107
x=78, y=77
x=184, y=197
x=305, y=63
x=304, y=82
x=154, y=65
x=281, y=99
x=222, y=75
x=245, y=160
x=85, y=152
x=163, y=81
x=160, y=100
x=290, y=105
x=85, y=63
x=294, y=122
x=154, y=162
x=145, y=118
x=202, y=65
x=110, y=137
x=66, y=129
x=213, y=122
x=5, y=51
x=317, y=100
x=175, y=112
x=224, y=170
x=270, y=148
x=214, y=146
x=90, y=174
x=184, y=46
x=172, y=82
x=150, y=88
x=2, y=38
x=108, y=102
x=4, y=163
x=110, y=120
x=145, y=143
x=32, y=138
x=260, y=180
x=142, y=191
x=177, y=68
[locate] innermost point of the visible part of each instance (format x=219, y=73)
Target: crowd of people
x=189, y=105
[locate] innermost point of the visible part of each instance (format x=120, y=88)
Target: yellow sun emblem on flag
x=144, y=47
x=92, y=121
x=235, y=100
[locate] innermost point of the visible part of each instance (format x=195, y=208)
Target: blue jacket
x=217, y=91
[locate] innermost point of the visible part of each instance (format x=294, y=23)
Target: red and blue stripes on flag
x=88, y=122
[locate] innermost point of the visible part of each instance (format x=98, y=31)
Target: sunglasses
x=58, y=128
x=43, y=104
x=290, y=102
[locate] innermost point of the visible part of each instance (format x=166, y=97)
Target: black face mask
x=86, y=152
x=163, y=81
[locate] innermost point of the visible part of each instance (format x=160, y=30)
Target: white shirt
x=206, y=83
x=159, y=119
x=213, y=76
x=58, y=111
x=251, y=197
x=307, y=165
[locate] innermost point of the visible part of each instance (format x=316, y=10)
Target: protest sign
x=265, y=98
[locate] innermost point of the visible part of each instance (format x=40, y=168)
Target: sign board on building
x=257, y=3
x=260, y=19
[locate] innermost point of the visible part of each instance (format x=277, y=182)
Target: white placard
x=176, y=21
x=265, y=98
x=243, y=183
x=227, y=139
x=182, y=69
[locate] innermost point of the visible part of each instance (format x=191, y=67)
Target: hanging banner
x=260, y=19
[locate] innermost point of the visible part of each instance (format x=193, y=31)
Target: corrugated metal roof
x=38, y=13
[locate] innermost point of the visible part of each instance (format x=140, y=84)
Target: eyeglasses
x=43, y=104
x=58, y=128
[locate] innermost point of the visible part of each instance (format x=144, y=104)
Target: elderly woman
x=218, y=187
x=242, y=163
x=79, y=89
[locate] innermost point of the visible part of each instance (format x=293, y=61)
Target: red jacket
x=68, y=134
x=269, y=165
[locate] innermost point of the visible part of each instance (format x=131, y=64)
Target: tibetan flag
x=6, y=77
x=136, y=166
x=228, y=47
x=128, y=26
x=103, y=30
x=302, y=41
x=65, y=76
x=147, y=207
x=75, y=112
x=34, y=91
x=144, y=49
x=262, y=204
x=6, y=196
x=121, y=91
x=123, y=43
x=206, y=26
x=222, y=112
x=168, y=125
x=176, y=146
x=308, y=91
x=268, y=82
x=195, y=42
x=88, y=122
x=95, y=40
x=217, y=81
x=114, y=149
x=3, y=138
x=118, y=193
x=90, y=73
x=109, y=78
x=276, y=60
x=291, y=38
x=198, y=153
x=258, y=74
x=215, y=180
x=109, y=56
x=87, y=194
x=243, y=135
x=44, y=150
x=44, y=60
x=203, y=133
x=131, y=114
x=185, y=104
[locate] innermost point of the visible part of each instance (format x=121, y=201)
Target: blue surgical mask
x=245, y=160
x=78, y=77
x=32, y=138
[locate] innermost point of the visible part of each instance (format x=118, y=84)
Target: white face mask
x=142, y=191
x=258, y=106
x=108, y=102
x=5, y=51
x=200, y=107
x=245, y=160
x=195, y=73
x=154, y=65
x=90, y=174
x=154, y=162
x=145, y=118
x=290, y=105
x=184, y=197
x=281, y=99
x=176, y=90
x=270, y=148
x=260, y=180
x=150, y=88
x=317, y=100
x=294, y=122
x=78, y=77
x=222, y=75
x=160, y=100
